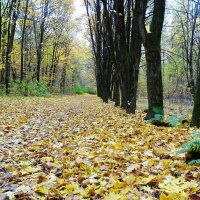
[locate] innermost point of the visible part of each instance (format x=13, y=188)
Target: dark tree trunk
x=154, y=77
x=122, y=68
x=11, y=34
x=116, y=94
x=23, y=41
x=0, y=26
x=63, y=79
x=54, y=74
x=196, y=109
x=152, y=44
x=134, y=57
x=116, y=46
x=41, y=39
x=98, y=49
x=52, y=65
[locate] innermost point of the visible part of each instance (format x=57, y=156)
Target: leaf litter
x=76, y=147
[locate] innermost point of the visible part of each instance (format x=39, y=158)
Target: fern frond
x=196, y=134
x=194, y=162
x=191, y=146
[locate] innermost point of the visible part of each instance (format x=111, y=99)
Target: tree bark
x=154, y=77
x=152, y=45
x=22, y=41
x=196, y=109
x=41, y=39
x=11, y=33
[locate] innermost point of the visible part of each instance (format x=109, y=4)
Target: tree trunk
x=0, y=25
x=116, y=94
x=11, y=33
x=154, y=77
x=63, y=79
x=152, y=45
x=23, y=41
x=41, y=39
x=196, y=109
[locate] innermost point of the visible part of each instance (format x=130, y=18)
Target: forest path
x=76, y=147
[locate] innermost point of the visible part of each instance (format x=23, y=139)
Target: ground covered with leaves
x=76, y=147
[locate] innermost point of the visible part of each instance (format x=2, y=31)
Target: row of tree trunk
x=118, y=31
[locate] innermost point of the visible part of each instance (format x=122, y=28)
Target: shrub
x=69, y=91
x=79, y=90
x=90, y=90
x=29, y=88
x=55, y=89
x=192, y=149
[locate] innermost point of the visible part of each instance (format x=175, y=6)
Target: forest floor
x=76, y=147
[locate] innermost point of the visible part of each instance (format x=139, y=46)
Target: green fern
x=196, y=134
x=192, y=148
x=194, y=162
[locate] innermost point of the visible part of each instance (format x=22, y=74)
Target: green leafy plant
x=192, y=149
x=69, y=91
x=157, y=117
x=170, y=121
x=91, y=90
x=157, y=109
x=79, y=90
x=29, y=88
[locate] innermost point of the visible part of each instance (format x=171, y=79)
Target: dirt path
x=76, y=147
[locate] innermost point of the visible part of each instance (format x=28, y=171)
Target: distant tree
x=23, y=39
x=12, y=21
x=40, y=36
x=183, y=45
x=34, y=36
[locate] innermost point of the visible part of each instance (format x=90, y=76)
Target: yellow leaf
x=30, y=169
x=151, y=161
x=60, y=181
x=164, y=197
x=34, y=148
x=41, y=189
x=147, y=179
x=117, y=146
x=47, y=159
x=118, y=184
x=114, y=196
x=23, y=164
x=132, y=168
x=173, y=196
x=72, y=187
x=166, y=163
x=129, y=180
x=103, y=183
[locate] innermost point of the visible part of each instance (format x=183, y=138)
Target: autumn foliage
x=77, y=147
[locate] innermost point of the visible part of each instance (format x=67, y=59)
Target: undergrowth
x=39, y=89
x=192, y=149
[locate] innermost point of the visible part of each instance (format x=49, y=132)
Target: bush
x=55, y=89
x=39, y=89
x=79, y=90
x=69, y=91
x=2, y=91
x=29, y=88
x=90, y=90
